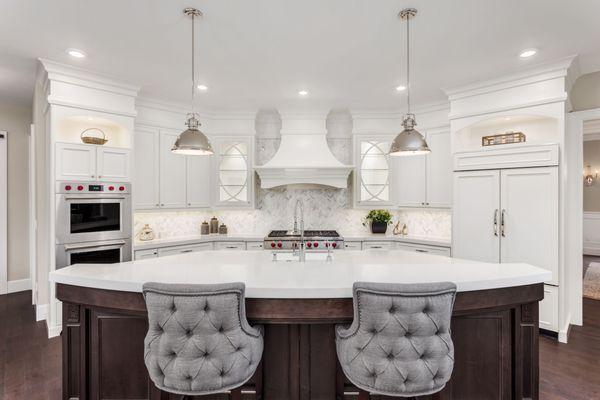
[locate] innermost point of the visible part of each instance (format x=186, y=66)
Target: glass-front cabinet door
x=373, y=173
x=234, y=184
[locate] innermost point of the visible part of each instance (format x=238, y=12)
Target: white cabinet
x=476, y=215
x=439, y=170
x=146, y=169
x=548, y=315
x=145, y=254
x=75, y=162
x=173, y=178
x=169, y=251
x=529, y=217
x=233, y=184
x=368, y=245
x=230, y=245
x=167, y=180
x=86, y=162
x=411, y=180
x=510, y=216
x=198, y=181
x=254, y=245
x=113, y=164
x=425, y=181
x=373, y=173
x=424, y=249
x=352, y=245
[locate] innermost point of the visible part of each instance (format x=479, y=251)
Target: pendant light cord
x=408, y=61
x=193, y=64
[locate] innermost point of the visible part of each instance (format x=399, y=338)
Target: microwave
x=92, y=211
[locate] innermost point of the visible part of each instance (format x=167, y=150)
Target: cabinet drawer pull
x=376, y=247
x=231, y=247
x=186, y=251
x=421, y=251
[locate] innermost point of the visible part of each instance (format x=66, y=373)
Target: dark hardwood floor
x=30, y=364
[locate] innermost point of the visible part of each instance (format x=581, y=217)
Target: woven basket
x=90, y=139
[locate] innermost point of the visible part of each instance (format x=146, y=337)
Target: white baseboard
x=563, y=334
x=19, y=285
x=41, y=311
x=53, y=331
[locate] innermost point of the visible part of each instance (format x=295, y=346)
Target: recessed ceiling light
x=303, y=93
x=528, y=53
x=76, y=53
x=202, y=88
x=400, y=88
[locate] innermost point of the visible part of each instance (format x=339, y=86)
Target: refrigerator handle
x=502, y=223
x=496, y=222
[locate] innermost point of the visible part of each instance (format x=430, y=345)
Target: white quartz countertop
x=265, y=278
x=248, y=237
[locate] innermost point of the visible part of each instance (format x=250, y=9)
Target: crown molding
x=591, y=128
x=542, y=72
x=54, y=71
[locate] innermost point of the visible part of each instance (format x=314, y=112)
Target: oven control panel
x=93, y=187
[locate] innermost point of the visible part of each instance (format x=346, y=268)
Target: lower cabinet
x=254, y=245
x=230, y=246
x=144, y=254
x=352, y=245
x=549, y=309
x=169, y=251
x=442, y=251
x=378, y=245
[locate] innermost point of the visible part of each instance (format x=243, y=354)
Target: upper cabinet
x=146, y=168
x=87, y=162
x=373, y=172
x=426, y=181
x=167, y=180
x=233, y=186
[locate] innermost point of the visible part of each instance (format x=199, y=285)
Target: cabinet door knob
x=162, y=205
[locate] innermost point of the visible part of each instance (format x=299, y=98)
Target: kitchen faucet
x=300, y=205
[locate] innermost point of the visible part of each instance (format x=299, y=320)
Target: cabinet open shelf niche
x=537, y=129
x=70, y=129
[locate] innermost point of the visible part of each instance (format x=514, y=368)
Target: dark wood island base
x=495, y=333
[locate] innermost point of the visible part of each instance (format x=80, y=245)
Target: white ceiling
x=259, y=53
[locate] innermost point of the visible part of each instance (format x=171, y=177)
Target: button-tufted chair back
x=199, y=341
x=399, y=343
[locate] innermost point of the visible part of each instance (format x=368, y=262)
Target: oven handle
x=87, y=246
x=96, y=198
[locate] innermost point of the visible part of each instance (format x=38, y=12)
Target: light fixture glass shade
x=409, y=142
x=192, y=141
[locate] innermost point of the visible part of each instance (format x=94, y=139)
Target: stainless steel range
x=314, y=240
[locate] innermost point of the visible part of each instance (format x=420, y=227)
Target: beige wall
x=16, y=121
x=585, y=93
x=591, y=157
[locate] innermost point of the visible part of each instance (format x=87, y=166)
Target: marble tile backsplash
x=323, y=208
x=318, y=215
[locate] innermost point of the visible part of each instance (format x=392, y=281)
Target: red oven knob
x=334, y=245
x=121, y=188
x=68, y=187
x=279, y=244
x=316, y=244
x=309, y=245
x=273, y=244
x=111, y=188
x=80, y=187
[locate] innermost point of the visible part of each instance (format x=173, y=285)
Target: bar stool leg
x=362, y=395
x=236, y=394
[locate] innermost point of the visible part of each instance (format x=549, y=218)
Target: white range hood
x=304, y=159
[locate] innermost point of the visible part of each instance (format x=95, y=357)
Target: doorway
x=591, y=209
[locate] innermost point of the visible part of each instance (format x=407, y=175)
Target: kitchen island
x=494, y=324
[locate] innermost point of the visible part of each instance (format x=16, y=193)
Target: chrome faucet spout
x=300, y=206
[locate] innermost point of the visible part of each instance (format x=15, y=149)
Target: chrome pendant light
x=409, y=142
x=192, y=141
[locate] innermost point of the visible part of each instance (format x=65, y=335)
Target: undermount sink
x=291, y=257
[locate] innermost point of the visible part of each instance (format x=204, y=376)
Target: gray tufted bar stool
x=199, y=341
x=399, y=343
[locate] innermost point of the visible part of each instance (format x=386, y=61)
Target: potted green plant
x=379, y=220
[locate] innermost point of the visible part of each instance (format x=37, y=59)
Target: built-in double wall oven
x=93, y=223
